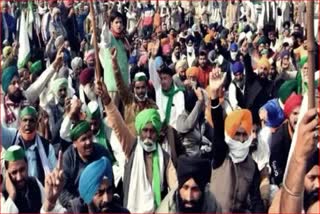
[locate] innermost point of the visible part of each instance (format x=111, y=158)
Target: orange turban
x=264, y=62
x=236, y=119
x=193, y=71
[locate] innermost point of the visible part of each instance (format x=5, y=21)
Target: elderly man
x=192, y=194
x=231, y=155
x=77, y=157
x=40, y=155
x=134, y=102
x=15, y=99
x=180, y=76
x=281, y=139
x=25, y=194
x=169, y=98
x=96, y=190
x=148, y=167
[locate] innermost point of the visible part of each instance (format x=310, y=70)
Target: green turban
x=7, y=75
x=140, y=76
x=148, y=116
x=303, y=61
x=79, y=129
x=262, y=40
x=93, y=111
x=14, y=153
x=28, y=111
x=58, y=84
x=286, y=89
x=36, y=67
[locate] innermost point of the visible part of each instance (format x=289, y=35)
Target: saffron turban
x=193, y=71
x=236, y=119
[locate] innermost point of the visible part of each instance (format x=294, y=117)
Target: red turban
x=291, y=103
x=236, y=119
x=86, y=76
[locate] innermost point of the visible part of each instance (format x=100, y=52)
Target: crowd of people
x=202, y=107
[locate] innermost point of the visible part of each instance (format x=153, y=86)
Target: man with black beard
x=96, y=190
x=15, y=98
x=192, y=194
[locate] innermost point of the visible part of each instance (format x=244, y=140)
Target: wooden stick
x=311, y=53
x=95, y=44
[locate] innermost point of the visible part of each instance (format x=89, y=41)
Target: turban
x=303, y=61
x=193, y=167
x=132, y=60
x=262, y=40
x=263, y=61
x=7, y=75
x=58, y=84
x=275, y=115
x=286, y=89
x=6, y=51
x=190, y=99
x=92, y=176
x=14, y=153
x=28, y=111
x=236, y=119
x=76, y=63
x=59, y=41
x=284, y=53
x=158, y=63
x=291, y=103
x=148, y=116
x=93, y=111
x=86, y=76
x=190, y=38
x=193, y=71
x=237, y=67
x=36, y=67
x=79, y=129
x=234, y=47
x=90, y=56
x=140, y=76
x=182, y=64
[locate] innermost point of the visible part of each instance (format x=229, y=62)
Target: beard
x=16, y=97
x=254, y=146
x=196, y=208
x=89, y=91
x=310, y=198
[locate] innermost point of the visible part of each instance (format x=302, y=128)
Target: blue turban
x=7, y=76
x=92, y=176
x=158, y=62
x=237, y=67
x=275, y=113
x=234, y=47
x=133, y=60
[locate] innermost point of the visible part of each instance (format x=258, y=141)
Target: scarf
x=117, y=35
x=170, y=94
x=238, y=151
x=9, y=107
x=47, y=168
x=103, y=141
x=143, y=197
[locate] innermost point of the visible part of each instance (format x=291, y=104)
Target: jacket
x=169, y=204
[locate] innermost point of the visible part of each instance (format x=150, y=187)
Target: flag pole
x=95, y=43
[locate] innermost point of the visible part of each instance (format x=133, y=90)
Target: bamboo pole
x=95, y=44
x=311, y=53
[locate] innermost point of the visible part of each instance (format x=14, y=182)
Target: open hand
x=216, y=81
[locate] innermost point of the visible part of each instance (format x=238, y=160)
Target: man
x=191, y=51
x=192, y=194
x=148, y=168
x=25, y=194
x=281, y=139
x=82, y=152
x=114, y=38
x=40, y=155
x=169, y=98
x=205, y=69
x=8, y=25
x=96, y=190
x=231, y=156
x=180, y=76
x=300, y=188
x=133, y=102
x=15, y=99
x=237, y=86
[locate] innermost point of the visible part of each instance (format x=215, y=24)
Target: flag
x=24, y=44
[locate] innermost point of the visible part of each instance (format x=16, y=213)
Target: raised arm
x=115, y=120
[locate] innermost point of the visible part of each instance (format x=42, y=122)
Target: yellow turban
x=6, y=51
x=236, y=119
x=264, y=62
x=193, y=71
x=182, y=63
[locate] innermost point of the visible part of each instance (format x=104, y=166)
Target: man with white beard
x=191, y=55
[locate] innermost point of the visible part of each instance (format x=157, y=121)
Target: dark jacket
x=232, y=184
x=77, y=205
x=280, y=147
x=73, y=165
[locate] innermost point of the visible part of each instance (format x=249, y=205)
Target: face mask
x=148, y=145
x=233, y=55
x=190, y=49
x=141, y=99
x=238, y=151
